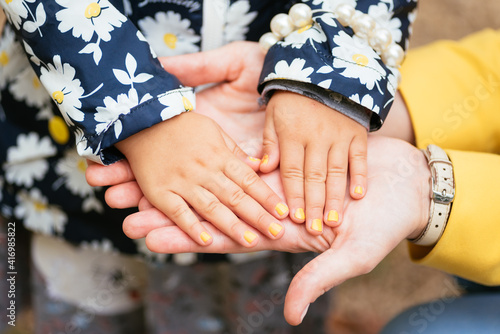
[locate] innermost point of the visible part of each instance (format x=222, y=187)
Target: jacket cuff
x=331, y=99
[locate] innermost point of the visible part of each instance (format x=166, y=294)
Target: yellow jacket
x=452, y=90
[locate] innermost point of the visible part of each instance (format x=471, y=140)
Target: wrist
x=423, y=175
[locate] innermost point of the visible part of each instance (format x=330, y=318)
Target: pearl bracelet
x=364, y=26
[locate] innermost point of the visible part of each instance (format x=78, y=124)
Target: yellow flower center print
x=58, y=130
x=360, y=59
x=58, y=96
x=188, y=106
x=307, y=27
x=92, y=10
x=8, y=1
x=36, y=83
x=39, y=206
x=4, y=58
x=170, y=40
x=81, y=165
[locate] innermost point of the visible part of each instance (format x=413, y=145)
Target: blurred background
x=365, y=304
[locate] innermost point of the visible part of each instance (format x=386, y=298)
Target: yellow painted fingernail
x=265, y=159
x=358, y=190
x=205, y=236
x=333, y=216
x=299, y=214
x=275, y=229
x=281, y=208
x=249, y=236
x=254, y=159
x=317, y=225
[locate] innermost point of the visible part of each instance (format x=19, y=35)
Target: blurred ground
x=365, y=304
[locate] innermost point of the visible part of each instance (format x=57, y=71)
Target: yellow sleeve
x=452, y=90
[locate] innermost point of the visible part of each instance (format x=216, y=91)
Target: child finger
x=292, y=176
x=252, y=162
x=211, y=209
x=315, y=171
x=336, y=182
x=253, y=185
x=270, y=146
x=181, y=214
x=245, y=207
x=358, y=167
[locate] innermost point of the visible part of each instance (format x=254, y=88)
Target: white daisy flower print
x=12, y=58
x=384, y=18
x=294, y=71
x=88, y=17
x=357, y=59
x=297, y=38
x=237, y=21
x=177, y=102
x=72, y=169
x=16, y=10
x=28, y=88
x=169, y=34
x=331, y=5
x=109, y=115
x=38, y=214
x=26, y=161
x=366, y=101
x=59, y=80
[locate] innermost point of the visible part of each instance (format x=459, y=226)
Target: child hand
x=314, y=146
x=189, y=161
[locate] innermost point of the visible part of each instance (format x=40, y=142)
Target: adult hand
x=395, y=208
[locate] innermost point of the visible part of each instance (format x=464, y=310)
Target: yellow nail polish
x=205, y=236
x=254, y=159
x=275, y=229
x=249, y=236
x=358, y=190
x=299, y=214
x=265, y=159
x=281, y=208
x=317, y=225
x=333, y=216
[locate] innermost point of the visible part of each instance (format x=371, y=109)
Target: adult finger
x=123, y=196
x=99, y=175
x=250, y=161
x=139, y=224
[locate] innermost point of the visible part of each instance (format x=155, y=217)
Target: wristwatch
x=442, y=193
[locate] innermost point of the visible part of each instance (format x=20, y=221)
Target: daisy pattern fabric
x=76, y=77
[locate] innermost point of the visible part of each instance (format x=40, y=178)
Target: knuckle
x=236, y=198
x=211, y=207
x=179, y=211
x=261, y=219
x=337, y=171
x=249, y=180
x=234, y=227
x=292, y=173
x=358, y=156
x=316, y=176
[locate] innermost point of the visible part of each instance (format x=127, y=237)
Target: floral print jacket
x=87, y=72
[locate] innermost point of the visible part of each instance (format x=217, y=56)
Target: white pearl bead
x=267, y=40
x=345, y=14
x=301, y=15
x=380, y=39
x=282, y=25
x=363, y=25
x=393, y=56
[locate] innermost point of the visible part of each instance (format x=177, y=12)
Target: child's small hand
x=314, y=146
x=188, y=161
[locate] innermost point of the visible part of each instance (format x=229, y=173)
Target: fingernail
x=254, y=159
x=249, y=236
x=304, y=313
x=265, y=159
x=317, y=225
x=299, y=214
x=281, y=208
x=205, y=236
x=333, y=216
x=275, y=229
x=358, y=190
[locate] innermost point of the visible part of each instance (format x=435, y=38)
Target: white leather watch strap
x=442, y=194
